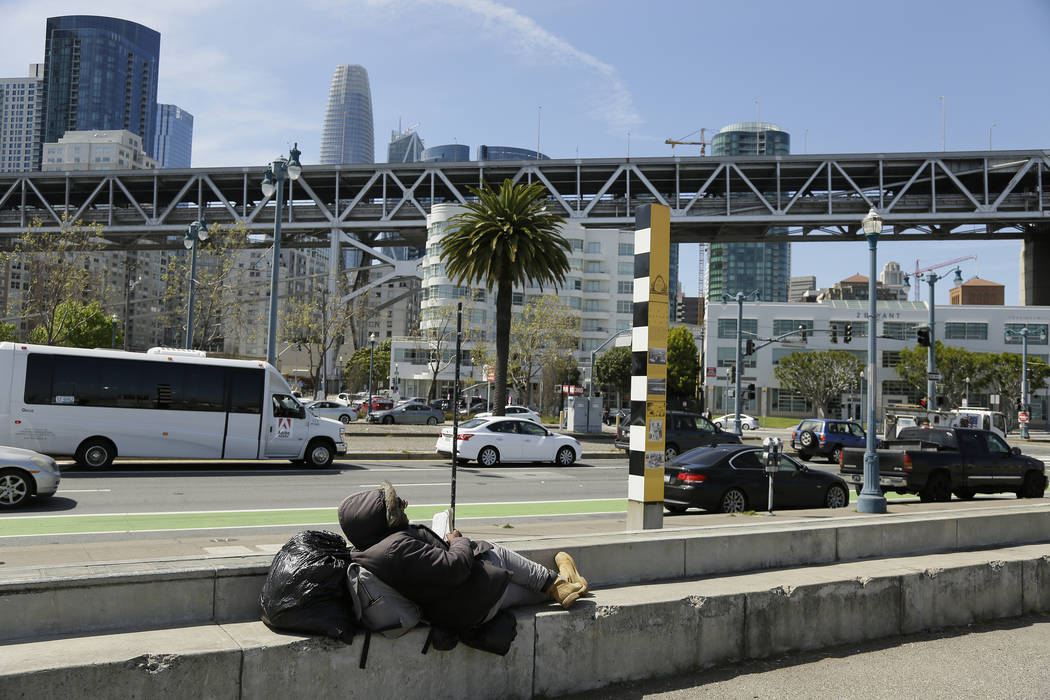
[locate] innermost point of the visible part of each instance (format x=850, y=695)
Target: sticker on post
x=656, y=430
x=654, y=460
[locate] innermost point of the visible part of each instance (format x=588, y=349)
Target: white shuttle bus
x=95, y=405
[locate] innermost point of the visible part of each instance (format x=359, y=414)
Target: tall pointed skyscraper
x=348, y=135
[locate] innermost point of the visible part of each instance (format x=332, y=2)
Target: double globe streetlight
x=196, y=232
x=277, y=172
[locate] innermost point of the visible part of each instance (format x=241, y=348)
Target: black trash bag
x=306, y=589
x=495, y=636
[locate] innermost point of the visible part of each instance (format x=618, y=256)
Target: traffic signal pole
x=931, y=359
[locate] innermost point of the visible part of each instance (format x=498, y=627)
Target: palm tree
x=503, y=239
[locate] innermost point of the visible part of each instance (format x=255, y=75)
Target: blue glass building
x=173, y=147
x=508, y=153
x=447, y=153
x=745, y=267
x=100, y=73
x=348, y=133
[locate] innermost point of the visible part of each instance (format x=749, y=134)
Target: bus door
x=288, y=429
x=244, y=417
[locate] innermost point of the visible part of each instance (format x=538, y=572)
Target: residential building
x=100, y=73
x=173, y=147
x=977, y=291
x=405, y=146
x=348, y=134
x=446, y=153
x=749, y=267
x=799, y=286
x=856, y=287
x=96, y=150
x=21, y=110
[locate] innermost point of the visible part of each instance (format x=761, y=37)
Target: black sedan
x=733, y=478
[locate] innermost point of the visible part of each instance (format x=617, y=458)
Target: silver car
x=408, y=413
x=25, y=474
x=333, y=409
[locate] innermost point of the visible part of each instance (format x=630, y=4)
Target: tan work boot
x=567, y=570
x=563, y=592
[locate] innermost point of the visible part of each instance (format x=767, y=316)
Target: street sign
x=1022, y=417
x=576, y=390
x=712, y=372
x=934, y=376
x=490, y=374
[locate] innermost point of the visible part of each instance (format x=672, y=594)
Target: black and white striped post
x=648, y=426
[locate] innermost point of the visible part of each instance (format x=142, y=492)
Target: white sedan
x=338, y=410
x=515, y=412
x=24, y=474
x=728, y=422
x=494, y=440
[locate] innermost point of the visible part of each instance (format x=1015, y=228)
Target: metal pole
x=739, y=358
x=871, y=499
x=275, y=270
x=189, y=311
x=371, y=359
x=931, y=359
x=1024, y=380
x=455, y=414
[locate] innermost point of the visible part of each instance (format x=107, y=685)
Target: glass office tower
x=100, y=73
x=173, y=147
x=745, y=267
x=348, y=135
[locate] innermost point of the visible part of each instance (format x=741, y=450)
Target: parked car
x=938, y=462
x=379, y=403
x=440, y=404
x=24, y=475
x=476, y=404
x=684, y=432
x=412, y=412
x=826, y=437
x=515, y=412
x=728, y=422
x=332, y=409
x=733, y=478
x=494, y=440
x=611, y=415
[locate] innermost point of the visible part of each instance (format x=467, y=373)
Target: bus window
x=246, y=391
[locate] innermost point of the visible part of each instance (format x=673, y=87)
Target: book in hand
x=441, y=524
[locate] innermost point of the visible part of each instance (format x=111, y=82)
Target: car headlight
x=44, y=463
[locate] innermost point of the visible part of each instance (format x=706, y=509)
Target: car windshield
x=472, y=423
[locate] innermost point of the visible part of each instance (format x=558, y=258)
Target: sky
x=604, y=78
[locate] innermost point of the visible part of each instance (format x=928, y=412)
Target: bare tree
x=318, y=322
x=546, y=330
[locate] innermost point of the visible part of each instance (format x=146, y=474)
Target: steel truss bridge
x=979, y=195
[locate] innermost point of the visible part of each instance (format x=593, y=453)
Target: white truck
x=95, y=405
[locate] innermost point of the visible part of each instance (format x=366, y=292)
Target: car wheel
x=676, y=508
x=807, y=439
x=1033, y=487
x=734, y=501
x=387, y=420
x=835, y=454
x=837, y=497
x=95, y=453
x=488, y=457
x=745, y=426
x=432, y=421
x=566, y=456
x=14, y=488
x=670, y=452
x=964, y=493
x=938, y=489
x=344, y=419
x=319, y=453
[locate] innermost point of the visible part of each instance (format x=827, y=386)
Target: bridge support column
x=1035, y=256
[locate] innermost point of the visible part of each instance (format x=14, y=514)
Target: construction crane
x=682, y=141
x=937, y=266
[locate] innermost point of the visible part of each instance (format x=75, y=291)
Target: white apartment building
x=21, y=111
x=977, y=328
x=117, y=149
x=598, y=286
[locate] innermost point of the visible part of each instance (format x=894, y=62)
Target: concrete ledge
x=619, y=633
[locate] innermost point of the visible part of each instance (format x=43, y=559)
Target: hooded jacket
x=455, y=589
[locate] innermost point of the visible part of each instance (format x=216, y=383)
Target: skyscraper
x=100, y=73
x=173, y=147
x=746, y=267
x=21, y=107
x=348, y=135
x=405, y=146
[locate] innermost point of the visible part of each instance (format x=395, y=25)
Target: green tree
x=561, y=370
x=356, y=370
x=505, y=238
x=820, y=377
x=317, y=322
x=955, y=365
x=437, y=342
x=612, y=370
x=7, y=332
x=683, y=363
x=87, y=326
x=545, y=331
x=1003, y=377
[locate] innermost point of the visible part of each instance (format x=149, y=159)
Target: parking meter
x=771, y=456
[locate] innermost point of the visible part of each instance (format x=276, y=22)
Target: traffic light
x=751, y=392
x=923, y=336
x=1018, y=403
x=834, y=334
x=922, y=402
x=732, y=373
x=847, y=333
x=749, y=347
x=802, y=332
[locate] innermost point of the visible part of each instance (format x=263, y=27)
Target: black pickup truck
x=937, y=462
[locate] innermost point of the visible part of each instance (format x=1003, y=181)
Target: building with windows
x=748, y=267
x=100, y=73
x=348, y=132
x=856, y=287
x=976, y=328
x=405, y=146
x=508, y=153
x=173, y=146
x=96, y=150
x=978, y=291
x=446, y=153
x=21, y=112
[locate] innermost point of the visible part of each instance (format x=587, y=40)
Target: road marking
x=84, y=490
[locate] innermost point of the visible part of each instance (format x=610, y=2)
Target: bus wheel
x=95, y=453
x=319, y=453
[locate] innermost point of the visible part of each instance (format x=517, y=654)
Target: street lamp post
x=871, y=498
x=1024, y=377
x=740, y=297
x=196, y=232
x=113, y=320
x=371, y=358
x=277, y=172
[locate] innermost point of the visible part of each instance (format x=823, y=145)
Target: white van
x=95, y=405
x=981, y=419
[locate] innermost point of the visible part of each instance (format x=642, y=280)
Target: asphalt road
x=1006, y=659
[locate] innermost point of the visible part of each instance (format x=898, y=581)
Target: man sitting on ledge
x=459, y=583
